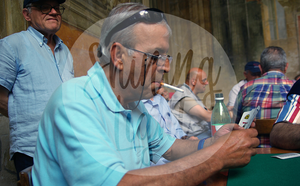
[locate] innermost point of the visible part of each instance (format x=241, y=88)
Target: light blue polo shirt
x=86, y=137
x=31, y=73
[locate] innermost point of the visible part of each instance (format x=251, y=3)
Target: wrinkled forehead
x=155, y=37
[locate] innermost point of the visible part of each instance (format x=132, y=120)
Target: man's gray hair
x=273, y=57
x=125, y=36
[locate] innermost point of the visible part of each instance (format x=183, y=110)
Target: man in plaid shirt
x=269, y=91
x=285, y=133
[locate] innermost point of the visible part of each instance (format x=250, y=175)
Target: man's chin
x=149, y=94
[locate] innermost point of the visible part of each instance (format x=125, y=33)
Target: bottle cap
x=219, y=96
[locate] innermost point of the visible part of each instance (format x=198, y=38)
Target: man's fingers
x=230, y=127
x=237, y=127
x=252, y=132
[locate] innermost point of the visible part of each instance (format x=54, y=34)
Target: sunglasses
x=150, y=15
x=46, y=9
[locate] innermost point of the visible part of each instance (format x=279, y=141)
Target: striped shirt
x=290, y=111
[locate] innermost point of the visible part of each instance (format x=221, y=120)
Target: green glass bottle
x=220, y=115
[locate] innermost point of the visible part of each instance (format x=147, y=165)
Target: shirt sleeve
x=8, y=65
x=187, y=103
x=290, y=111
x=159, y=141
x=233, y=94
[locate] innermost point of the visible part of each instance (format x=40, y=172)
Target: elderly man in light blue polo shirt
x=33, y=63
x=95, y=130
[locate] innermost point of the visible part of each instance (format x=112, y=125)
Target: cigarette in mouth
x=172, y=87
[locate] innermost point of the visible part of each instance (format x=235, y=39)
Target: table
x=220, y=179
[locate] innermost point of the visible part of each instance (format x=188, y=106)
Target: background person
x=188, y=108
x=269, y=91
x=33, y=64
x=159, y=109
x=252, y=71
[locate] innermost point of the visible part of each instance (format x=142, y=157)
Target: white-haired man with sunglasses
x=95, y=130
x=33, y=63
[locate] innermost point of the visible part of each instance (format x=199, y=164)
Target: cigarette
x=172, y=87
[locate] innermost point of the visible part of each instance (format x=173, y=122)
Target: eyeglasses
x=160, y=60
x=46, y=9
x=150, y=15
x=203, y=81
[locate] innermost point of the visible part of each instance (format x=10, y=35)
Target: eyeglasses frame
x=159, y=57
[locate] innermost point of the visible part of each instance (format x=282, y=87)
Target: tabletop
x=220, y=179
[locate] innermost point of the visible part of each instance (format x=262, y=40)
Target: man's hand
x=236, y=148
x=225, y=129
x=233, y=148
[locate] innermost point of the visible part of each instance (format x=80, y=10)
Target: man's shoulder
x=15, y=37
x=257, y=82
x=82, y=82
x=278, y=79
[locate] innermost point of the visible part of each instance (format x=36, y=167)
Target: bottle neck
x=219, y=101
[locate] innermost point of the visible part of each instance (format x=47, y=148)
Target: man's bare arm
x=200, y=112
x=3, y=101
x=285, y=135
x=231, y=150
x=181, y=148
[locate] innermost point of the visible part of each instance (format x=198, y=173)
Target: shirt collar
x=42, y=39
x=102, y=86
x=154, y=102
x=273, y=73
x=188, y=87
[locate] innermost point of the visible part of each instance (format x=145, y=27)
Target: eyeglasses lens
x=46, y=9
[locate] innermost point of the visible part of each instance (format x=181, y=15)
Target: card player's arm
x=285, y=135
x=191, y=107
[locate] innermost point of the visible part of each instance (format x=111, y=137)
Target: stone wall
x=7, y=169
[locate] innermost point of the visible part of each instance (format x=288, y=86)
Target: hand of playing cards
x=248, y=117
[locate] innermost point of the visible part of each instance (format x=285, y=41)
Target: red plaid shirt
x=269, y=92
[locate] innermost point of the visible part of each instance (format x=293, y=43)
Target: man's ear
x=193, y=81
x=286, y=67
x=261, y=70
x=26, y=14
x=116, y=55
x=245, y=74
